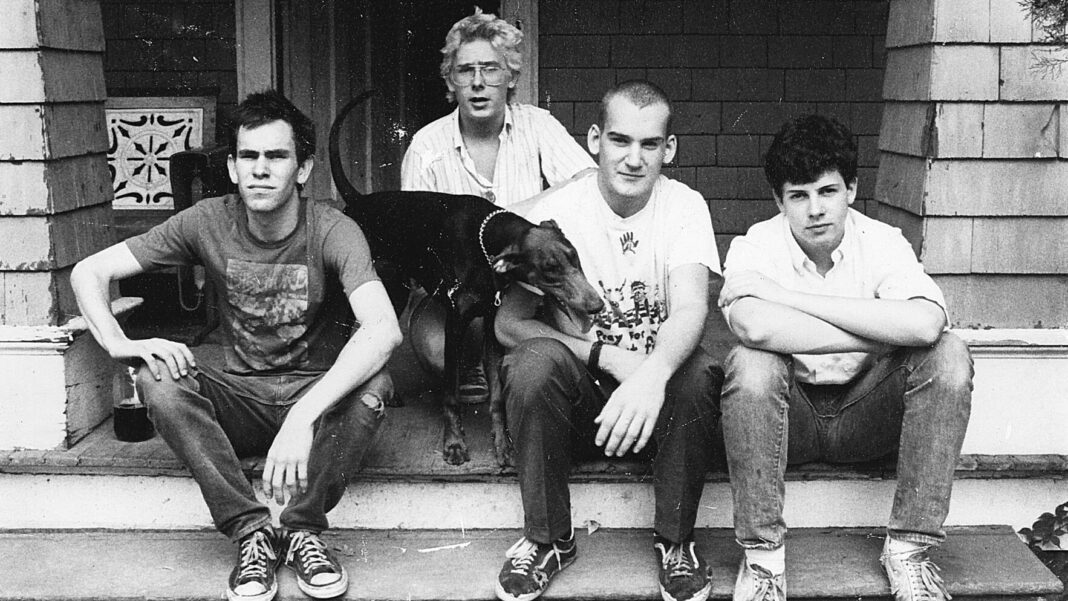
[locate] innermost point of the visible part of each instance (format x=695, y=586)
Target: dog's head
x=545, y=259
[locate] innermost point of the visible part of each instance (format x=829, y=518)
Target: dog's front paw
x=505, y=452
x=456, y=453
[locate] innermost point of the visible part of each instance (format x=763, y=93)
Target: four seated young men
x=844, y=354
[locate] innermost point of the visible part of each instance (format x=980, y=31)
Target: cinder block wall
x=179, y=48
x=736, y=69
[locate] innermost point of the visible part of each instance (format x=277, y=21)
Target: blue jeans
x=913, y=400
x=211, y=418
x=550, y=403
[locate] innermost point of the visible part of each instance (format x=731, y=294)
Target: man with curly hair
x=844, y=356
x=489, y=146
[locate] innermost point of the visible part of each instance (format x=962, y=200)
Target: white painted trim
x=1026, y=340
x=255, y=46
x=524, y=15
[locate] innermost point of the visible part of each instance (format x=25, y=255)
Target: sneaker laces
x=676, y=561
x=923, y=575
x=309, y=549
x=522, y=554
x=256, y=549
x=768, y=587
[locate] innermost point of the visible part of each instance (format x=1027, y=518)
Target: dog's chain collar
x=489, y=260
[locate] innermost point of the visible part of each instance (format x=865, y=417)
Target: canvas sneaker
x=754, y=583
x=683, y=574
x=913, y=576
x=253, y=578
x=318, y=572
x=530, y=567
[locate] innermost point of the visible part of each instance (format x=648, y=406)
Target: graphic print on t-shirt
x=628, y=243
x=269, y=305
x=632, y=315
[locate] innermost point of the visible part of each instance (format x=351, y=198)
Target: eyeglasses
x=492, y=75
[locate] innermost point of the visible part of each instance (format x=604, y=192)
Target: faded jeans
x=913, y=400
x=551, y=401
x=211, y=418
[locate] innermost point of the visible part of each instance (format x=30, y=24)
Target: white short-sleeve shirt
x=873, y=261
x=533, y=144
x=628, y=260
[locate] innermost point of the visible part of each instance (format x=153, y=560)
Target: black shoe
x=253, y=577
x=318, y=572
x=683, y=574
x=531, y=566
x=473, y=386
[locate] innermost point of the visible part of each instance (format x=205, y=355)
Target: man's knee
x=160, y=395
x=377, y=392
x=533, y=364
x=755, y=372
x=699, y=378
x=953, y=361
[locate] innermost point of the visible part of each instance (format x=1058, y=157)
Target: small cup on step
x=130, y=419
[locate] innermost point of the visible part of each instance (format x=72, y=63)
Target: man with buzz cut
x=299, y=383
x=844, y=356
x=638, y=375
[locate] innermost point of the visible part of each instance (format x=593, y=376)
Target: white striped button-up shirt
x=533, y=144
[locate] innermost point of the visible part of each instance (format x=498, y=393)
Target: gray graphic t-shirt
x=284, y=304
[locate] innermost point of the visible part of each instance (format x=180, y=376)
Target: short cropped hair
x=501, y=34
x=260, y=108
x=640, y=92
x=806, y=148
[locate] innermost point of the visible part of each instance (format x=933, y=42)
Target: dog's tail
x=337, y=170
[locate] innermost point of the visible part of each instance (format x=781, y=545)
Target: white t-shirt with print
x=628, y=260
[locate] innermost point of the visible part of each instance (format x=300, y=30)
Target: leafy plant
x=1049, y=529
x=1051, y=18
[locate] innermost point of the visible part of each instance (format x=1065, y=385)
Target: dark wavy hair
x=806, y=148
x=259, y=108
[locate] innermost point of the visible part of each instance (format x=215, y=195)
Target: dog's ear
x=506, y=261
x=550, y=223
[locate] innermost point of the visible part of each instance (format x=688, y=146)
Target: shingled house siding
x=179, y=48
x=735, y=69
x=973, y=166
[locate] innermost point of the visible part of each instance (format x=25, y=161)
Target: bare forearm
x=513, y=331
x=363, y=356
x=773, y=327
x=914, y=322
x=92, y=292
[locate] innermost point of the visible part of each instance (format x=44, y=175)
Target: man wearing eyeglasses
x=490, y=147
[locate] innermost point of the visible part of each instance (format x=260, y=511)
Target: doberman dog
x=464, y=250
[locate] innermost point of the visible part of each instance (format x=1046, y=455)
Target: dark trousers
x=211, y=418
x=551, y=402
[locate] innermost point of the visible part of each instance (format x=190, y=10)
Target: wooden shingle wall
x=973, y=158
x=735, y=69
x=55, y=189
x=172, y=48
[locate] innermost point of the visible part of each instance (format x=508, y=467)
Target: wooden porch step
x=977, y=563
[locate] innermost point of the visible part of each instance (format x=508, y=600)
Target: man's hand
x=287, y=460
x=629, y=417
x=751, y=283
x=177, y=356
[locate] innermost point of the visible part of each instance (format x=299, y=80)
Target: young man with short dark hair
x=844, y=356
x=298, y=384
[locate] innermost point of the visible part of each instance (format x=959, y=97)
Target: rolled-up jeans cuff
x=761, y=546
x=916, y=537
x=249, y=528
